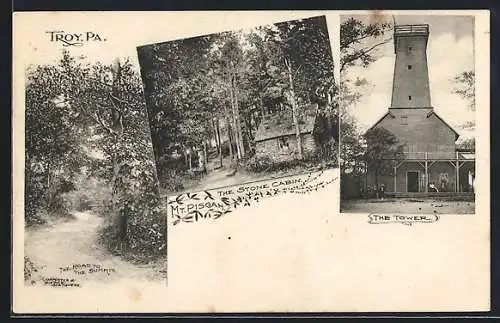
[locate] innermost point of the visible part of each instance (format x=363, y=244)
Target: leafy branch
x=362, y=54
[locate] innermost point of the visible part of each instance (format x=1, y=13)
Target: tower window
x=409, y=97
x=410, y=48
x=409, y=67
x=404, y=121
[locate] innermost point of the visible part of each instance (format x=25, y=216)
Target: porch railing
x=428, y=155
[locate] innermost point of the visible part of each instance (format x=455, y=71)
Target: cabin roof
x=431, y=112
x=281, y=124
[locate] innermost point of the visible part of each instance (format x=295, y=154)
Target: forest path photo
x=79, y=256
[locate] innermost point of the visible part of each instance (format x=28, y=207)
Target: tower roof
x=414, y=117
x=410, y=30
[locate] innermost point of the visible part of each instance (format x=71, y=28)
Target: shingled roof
x=281, y=124
x=416, y=116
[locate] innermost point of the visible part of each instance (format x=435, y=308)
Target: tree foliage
x=382, y=148
x=218, y=88
x=93, y=117
x=52, y=145
x=359, y=42
x=465, y=87
x=467, y=144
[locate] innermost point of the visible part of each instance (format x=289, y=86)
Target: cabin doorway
x=412, y=181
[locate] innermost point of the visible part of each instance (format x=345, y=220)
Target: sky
x=450, y=48
x=450, y=51
x=123, y=32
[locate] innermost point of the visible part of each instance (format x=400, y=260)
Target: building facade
x=431, y=161
x=276, y=136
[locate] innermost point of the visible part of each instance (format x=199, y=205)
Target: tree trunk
x=117, y=194
x=216, y=134
x=205, y=155
x=255, y=120
x=228, y=126
x=294, y=111
x=261, y=106
x=117, y=132
x=249, y=128
x=238, y=119
x=229, y=139
x=48, y=176
x=157, y=181
x=207, y=148
x=48, y=191
x=234, y=118
x=219, y=141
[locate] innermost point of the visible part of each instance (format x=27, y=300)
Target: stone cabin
x=276, y=135
x=429, y=142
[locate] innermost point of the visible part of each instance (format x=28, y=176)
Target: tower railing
x=411, y=29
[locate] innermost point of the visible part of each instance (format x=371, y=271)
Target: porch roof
x=470, y=156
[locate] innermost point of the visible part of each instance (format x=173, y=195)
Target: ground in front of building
x=408, y=206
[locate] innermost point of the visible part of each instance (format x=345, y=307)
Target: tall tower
x=410, y=88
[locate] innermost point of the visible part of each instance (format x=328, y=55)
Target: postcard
x=251, y=161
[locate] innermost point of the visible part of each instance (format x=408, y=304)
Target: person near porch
x=382, y=191
x=432, y=187
x=473, y=182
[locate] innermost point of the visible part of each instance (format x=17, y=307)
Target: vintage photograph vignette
x=407, y=133
x=242, y=106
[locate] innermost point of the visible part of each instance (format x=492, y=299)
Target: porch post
x=395, y=172
x=426, y=182
x=457, y=174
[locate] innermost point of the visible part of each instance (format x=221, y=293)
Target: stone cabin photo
x=242, y=106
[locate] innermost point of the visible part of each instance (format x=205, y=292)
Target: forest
x=207, y=97
x=88, y=148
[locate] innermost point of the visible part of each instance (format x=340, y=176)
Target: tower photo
x=407, y=114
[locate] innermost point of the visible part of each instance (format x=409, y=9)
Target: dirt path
x=217, y=177
x=69, y=250
x=223, y=177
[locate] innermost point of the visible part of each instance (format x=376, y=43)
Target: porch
x=428, y=174
x=420, y=180
x=416, y=195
